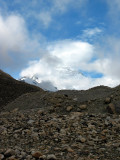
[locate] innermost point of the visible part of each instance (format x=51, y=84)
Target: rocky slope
x=97, y=100
x=10, y=88
x=47, y=135
x=64, y=125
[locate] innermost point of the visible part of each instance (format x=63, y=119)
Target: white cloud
x=92, y=32
x=109, y=55
x=12, y=36
x=62, y=64
x=16, y=47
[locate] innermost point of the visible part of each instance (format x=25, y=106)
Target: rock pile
x=39, y=134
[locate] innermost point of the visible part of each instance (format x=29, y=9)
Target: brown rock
x=37, y=154
x=1, y=156
x=69, y=108
x=107, y=100
x=83, y=107
x=111, y=108
x=83, y=139
x=70, y=149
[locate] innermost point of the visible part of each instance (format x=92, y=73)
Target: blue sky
x=72, y=44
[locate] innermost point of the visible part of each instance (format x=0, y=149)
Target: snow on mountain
x=61, y=78
x=45, y=85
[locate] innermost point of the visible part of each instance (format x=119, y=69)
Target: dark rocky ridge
x=94, y=98
x=10, y=88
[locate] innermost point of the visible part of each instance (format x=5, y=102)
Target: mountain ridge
x=10, y=88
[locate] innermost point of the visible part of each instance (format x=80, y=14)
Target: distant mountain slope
x=10, y=88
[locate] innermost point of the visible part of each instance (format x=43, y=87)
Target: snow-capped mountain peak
x=45, y=85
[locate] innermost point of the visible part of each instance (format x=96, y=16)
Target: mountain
x=45, y=85
x=10, y=88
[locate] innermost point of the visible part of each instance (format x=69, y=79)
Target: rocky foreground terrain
x=65, y=125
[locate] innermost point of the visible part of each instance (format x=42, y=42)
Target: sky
x=70, y=44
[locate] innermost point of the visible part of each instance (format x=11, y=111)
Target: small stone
x=112, y=96
x=75, y=99
x=35, y=135
x=15, y=110
x=69, y=108
x=16, y=136
x=70, y=149
x=37, y=154
x=82, y=139
x=3, y=130
x=29, y=157
x=83, y=107
x=51, y=157
x=9, y=153
x=23, y=154
x=111, y=108
x=17, y=152
x=118, y=149
x=107, y=100
x=42, y=157
x=12, y=158
x=1, y=156
x=30, y=122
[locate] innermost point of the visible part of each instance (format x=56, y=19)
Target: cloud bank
x=65, y=63
x=16, y=46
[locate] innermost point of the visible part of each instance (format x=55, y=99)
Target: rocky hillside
x=10, y=88
x=64, y=125
x=97, y=100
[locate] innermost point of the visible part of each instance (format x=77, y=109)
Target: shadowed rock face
x=10, y=88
